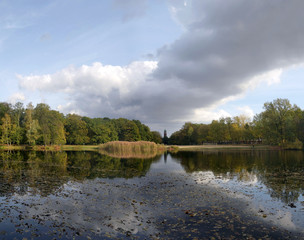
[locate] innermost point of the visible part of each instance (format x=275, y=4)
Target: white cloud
x=69, y=108
x=16, y=97
x=271, y=77
x=97, y=79
x=247, y=111
x=206, y=115
x=97, y=89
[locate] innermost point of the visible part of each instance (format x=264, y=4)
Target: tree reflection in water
x=281, y=171
x=69, y=194
x=45, y=172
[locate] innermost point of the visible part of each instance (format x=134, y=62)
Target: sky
x=163, y=62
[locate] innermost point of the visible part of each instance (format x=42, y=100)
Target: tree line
x=41, y=125
x=280, y=124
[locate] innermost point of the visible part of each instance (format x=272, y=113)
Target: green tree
x=101, y=130
x=218, y=131
x=76, y=130
x=277, y=123
x=156, y=137
x=41, y=113
x=51, y=125
x=300, y=125
x=240, y=129
x=190, y=134
x=5, y=108
x=127, y=130
x=18, y=114
x=56, y=126
x=144, y=131
x=6, y=129
x=31, y=126
x=202, y=132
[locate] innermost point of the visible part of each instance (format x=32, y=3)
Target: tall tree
x=144, y=131
x=51, y=124
x=6, y=129
x=32, y=127
x=56, y=126
x=41, y=113
x=156, y=137
x=127, y=130
x=202, y=132
x=300, y=125
x=277, y=121
x=101, y=130
x=218, y=131
x=5, y=108
x=76, y=130
x=18, y=115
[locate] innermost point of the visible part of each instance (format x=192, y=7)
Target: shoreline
x=54, y=148
x=194, y=148
x=170, y=148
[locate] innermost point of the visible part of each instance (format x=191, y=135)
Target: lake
x=185, y=195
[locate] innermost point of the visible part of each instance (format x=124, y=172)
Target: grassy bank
x=121, y=149
x=117, y=148
x=12, y=147
x=50, y=147
x=191, y=148
x=65, y=148
x=140, y=149
x=80, y=147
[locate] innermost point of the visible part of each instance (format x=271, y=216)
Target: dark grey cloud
x=225, y=44
x=228, y=42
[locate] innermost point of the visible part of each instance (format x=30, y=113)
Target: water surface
x=220, y=194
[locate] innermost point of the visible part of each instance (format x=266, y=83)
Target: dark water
x=200, y=195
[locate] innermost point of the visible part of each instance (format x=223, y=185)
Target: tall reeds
x=123, y=149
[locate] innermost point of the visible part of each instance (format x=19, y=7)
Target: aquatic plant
x=124, y=149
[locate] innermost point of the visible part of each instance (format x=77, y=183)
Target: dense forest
x=280, y=124
x=42, y=126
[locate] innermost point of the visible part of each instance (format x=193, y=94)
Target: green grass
x=193, y=148
x=12, y=147
x=53, y=148
x=80, y=147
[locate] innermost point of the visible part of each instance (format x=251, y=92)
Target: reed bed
x=123, y=149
